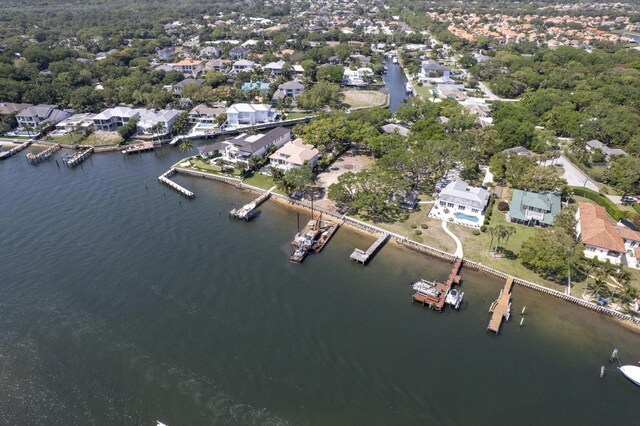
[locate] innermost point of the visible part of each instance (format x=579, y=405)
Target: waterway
x=123, y=303
x=395, y=84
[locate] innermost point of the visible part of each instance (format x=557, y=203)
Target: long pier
x=164, y=178
x=363, y=257
x=42, y=156
x=13, y=151
x=141, y=147
x=78, y=158
x=245, y=212
x=501, y=307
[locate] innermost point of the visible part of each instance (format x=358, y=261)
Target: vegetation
x=613, y=210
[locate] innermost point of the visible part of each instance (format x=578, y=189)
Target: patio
x=450, y=215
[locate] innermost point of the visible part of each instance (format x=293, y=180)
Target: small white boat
x=408, y=87
x=454, y=298
x=426, y=288
x=394, y=60
x=631, y=372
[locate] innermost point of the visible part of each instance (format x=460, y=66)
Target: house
x=275, y=68
x=260, y=86
x=10, y=107
x=204, y=114
x=34, y=116
x=298, y=70
x=219, y=65
x=533, y=208
x=250, y=114
x=395, y=128
x=243, y=147
x=605, y=240
x=113, y=118
x=176, y=89
x=238, y=52
x=243, y=65
x=518, y=150
x=76, y=121
x=608, y=152
x=163, y=118
x=431, y=69
x=359, y=77
x=292, y=89
x=460, y=197
x=188, y=66
x=163, y=67
x=166, y=54
x=210, y=52
x=294, y=154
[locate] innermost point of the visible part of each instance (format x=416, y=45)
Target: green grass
x=68, y=139
x=96, y=140
x=613, y=210
x=260, y=181
x=425, y=91
x=294, y=115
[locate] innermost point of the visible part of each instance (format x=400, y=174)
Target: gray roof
x=254, y=143
x=291, y=85
x=10, y=107
x=459, y=192
x=594, y=143
x=391, y=128
x=209, y=148
x=429, y=66
x=188, y=81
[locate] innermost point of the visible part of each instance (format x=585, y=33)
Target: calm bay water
x=126, y=304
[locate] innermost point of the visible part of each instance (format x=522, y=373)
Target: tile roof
x=596, y=229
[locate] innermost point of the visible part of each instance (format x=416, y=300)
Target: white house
x=113, y=118
x=458, y=202
x=250, y=114
x=34, y=116
x=294, y=154
x=150, y=118
x=205, y=114
x=77, y=121
x=605, y=240
x=275, y=68
x=357, y=77
x=243, y=65
x=291, y=88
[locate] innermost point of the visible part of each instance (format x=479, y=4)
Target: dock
x=42, y=156
x=141, y=147
x=362, y=256
x=246, y=211
x=13, y=151
x=501, y=307
x=78, y=158
x=164, y=178
x=436, y=293
x=312, y=239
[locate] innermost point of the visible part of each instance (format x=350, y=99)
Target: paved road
x=574, y=176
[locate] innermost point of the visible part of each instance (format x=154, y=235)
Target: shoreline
x=371, y=230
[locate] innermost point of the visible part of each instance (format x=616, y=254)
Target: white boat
x=394, y=60
x=631, y=372
x=454, y=298
x=426, y=288
x=409, y=87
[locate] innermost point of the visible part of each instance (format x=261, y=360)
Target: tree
x=129, y=129
x=624, y=175
x=330, y=73
x=185, y=145
x=299, y=179
x=322, y=94
x=182, y=124
x=546, y=253
x=215, y=78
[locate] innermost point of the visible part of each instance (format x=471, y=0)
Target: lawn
x=260, y=181
x=68, y=139
x=102, y=139
x=425, y=91
x=365, y=98
x=294, y=115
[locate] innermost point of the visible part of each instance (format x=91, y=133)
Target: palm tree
x=185, y=145
x=598, y=288
x=626, y=295
x=500, y=231
x=508, y=231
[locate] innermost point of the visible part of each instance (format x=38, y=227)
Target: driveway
x=574, y=176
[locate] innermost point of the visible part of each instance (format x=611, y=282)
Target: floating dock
x=312, y=239
x=436, y=293
x=78, y=158
x=42, y=156
x=246, y=212
x=501, y=307
x=363, y=257
x=13, y=151
x=141, y=147
x=164, y=178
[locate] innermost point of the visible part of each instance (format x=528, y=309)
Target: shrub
x=636, y=207
x=636, y=220
x=476, y=231
x=483, y=228
x=418, y=232
x=613, y=210
x=414, y=226
x=424, y=226
x=503, y=206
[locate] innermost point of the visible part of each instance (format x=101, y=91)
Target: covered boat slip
x=501, y=307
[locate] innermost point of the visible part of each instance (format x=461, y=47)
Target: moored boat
x=454, y=298
x=632, y=373
x=409, y=87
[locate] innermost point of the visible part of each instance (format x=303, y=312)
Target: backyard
x=365, y=98
x=95, y=139
x=424, y=91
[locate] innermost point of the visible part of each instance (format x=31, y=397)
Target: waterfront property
x=432, y=69
x=113, y=118
x=75, y=122
x=294, y=154
x=435, y=294
x=460, y=203
x=204, y=114
x=533, y=208
x=40, y=115
x=312, y=239
x=501, y=307
x=243, y=147
x=604, y=239
x=250, y=114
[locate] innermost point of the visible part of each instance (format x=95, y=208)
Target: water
x=395, y=84
x=126, y=304
x=467, y=217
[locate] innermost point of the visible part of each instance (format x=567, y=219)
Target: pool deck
x=437, y=212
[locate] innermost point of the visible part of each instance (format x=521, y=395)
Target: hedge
x=613, y=210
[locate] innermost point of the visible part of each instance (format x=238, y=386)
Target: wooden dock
x=141, y=147
x=78, y=158
x=13, y=151
x=312, y=239
x=363, y=257
x=501, y=307
x=42, y=156
x=436, y=299
x=164, y=178
x=246, y=212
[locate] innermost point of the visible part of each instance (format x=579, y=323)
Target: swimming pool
x=459, y=215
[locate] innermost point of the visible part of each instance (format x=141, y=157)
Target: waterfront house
x=294, y=154
x=432, y=69
x=10, y=107
x=243, y=147
x=243, y=65
x=604, y=239
x=76, y=122
x=250, y=114
x=113, y=118
x=609, y=153
x=188, y=66
x=359, y=77
x=40, y=115
x=205, y=114
x=533, y=208
x=292, y=89
x=459, y=196
x=149, y=119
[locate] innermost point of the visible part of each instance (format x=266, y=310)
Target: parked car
x=626, y=200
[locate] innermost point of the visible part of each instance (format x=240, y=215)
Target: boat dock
x=78, y=158
x=363, y=257
x=501, y=307
x=312, y=239
x=246, y=212
x=42, y=156
x=435, y=293
x=141, y=147
x=13, y=151
x=164, y=178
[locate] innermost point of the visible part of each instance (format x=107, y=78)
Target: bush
x=476, y=231
x=414, y=226
x=483, y=228
x=503, y=206
x=418, y=232
x=636, y=220
x=613, y=210
x=636, y=207
x=424, y=226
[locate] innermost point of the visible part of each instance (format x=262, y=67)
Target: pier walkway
x=78, y=158
x=141, y=147
x=13, y=151
x=42, y=156
x=164, y=178
x=437, y=298
x=363, y=257
x=501, y=308
x=245, y=212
